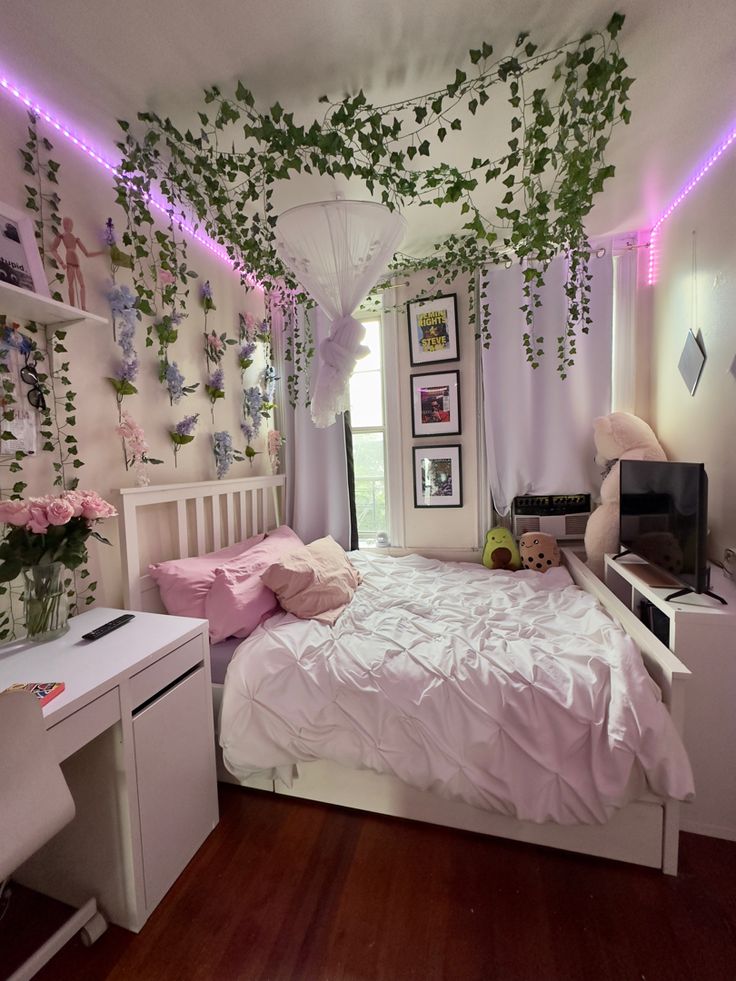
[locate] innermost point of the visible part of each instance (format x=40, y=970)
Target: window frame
x=391, y=423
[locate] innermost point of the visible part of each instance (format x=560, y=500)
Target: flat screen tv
x=664, y=517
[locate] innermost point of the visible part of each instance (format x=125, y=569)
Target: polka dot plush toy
x=539, y=551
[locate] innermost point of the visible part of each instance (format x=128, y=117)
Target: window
x=369, y=438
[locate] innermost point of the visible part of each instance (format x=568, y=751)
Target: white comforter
x=510, y=691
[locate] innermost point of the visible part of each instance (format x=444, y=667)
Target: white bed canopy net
x=337, y=251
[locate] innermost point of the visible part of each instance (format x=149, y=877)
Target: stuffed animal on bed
x=539, y=551
x=618, y=436
x=500, y=551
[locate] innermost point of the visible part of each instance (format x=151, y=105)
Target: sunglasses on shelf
x=29, y=375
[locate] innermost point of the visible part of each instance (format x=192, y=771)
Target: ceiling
x=96, y=62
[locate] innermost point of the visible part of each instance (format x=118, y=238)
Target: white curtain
x=539, y=428
x=337, y=251
x=317, y=497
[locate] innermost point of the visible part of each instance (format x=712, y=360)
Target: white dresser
x=134, y=733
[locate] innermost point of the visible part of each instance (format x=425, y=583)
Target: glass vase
x=45, y=602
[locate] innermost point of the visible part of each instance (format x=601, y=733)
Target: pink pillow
x=184, y=583
x=238, y=600
x=316, y=581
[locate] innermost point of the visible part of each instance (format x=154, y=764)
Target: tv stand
x=686, y=589
x=700, y=629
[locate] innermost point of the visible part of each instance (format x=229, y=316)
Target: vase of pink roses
x=44, y=536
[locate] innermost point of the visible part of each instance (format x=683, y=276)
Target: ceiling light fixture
x=337, y=251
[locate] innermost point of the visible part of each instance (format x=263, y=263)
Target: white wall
x=444, y=532
x=87, y=196
x=696, y=289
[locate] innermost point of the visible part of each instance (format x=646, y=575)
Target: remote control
x=108, y=627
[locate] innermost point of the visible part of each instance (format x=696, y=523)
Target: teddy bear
x=500, y=551
x=618, y=436
x=539, y=551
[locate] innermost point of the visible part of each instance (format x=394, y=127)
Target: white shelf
x=702, y=634
x=655, y=586
x=22, y=305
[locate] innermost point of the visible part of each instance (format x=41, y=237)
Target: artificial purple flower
x=223, y=450
x=248, y=432
x=217, y=379
x=174, y=382
x=121, y=299
x=176, y=318
x=186, y=426
x=127, y=370
x=110, y=239
x=206, y=290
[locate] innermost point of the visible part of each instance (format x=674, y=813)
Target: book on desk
x=43, y=690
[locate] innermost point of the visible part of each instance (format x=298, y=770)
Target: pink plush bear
x=618, y=436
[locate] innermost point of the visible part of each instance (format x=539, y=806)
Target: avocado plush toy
x=500, y=551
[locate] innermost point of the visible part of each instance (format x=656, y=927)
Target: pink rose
x=37, y=521
x=14, y=512
x=76, y=500
x=93, y=507
x=59, y=511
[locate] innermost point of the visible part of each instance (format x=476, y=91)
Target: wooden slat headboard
x=197, y=518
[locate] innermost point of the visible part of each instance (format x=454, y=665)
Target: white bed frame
x=212, y=514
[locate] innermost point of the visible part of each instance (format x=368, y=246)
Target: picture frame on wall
x=438, y=476
x=20, y=261
x=435, y=404
x=433, y=335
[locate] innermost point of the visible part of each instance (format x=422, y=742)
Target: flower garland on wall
x=551, y=170
x=214, y=350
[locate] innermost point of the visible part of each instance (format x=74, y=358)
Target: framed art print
x=435, y=404
x=437, y=477
x=20, y=262
x=433, y=330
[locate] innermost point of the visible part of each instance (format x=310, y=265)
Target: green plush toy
x=500, y=551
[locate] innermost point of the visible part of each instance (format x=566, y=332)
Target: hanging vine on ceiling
x=549, y=172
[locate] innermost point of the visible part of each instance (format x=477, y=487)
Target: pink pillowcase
x=316, y=581
x=238, y=600
x=184, y=583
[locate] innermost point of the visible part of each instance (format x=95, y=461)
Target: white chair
x=35, y=804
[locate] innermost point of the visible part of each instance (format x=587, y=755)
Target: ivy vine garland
x=550, y=171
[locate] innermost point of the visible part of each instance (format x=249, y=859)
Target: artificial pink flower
x=14, y=513
x=38, y=522
x=76, y=501
x=94, y=508
x=59, y=511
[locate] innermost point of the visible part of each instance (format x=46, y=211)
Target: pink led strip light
x=62, y=128
x=693, y=182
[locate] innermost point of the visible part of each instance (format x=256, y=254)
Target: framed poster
x=20, y=262
x=435, y=404
x=437, y=477
x=433, y=330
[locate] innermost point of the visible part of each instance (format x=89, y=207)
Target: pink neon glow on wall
x=692, y=183
x=67, y=132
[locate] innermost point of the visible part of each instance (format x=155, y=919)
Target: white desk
x=133, y=730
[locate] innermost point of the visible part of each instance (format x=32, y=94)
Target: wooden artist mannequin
x=71, y=265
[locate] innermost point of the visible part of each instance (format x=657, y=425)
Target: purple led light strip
x=62, y=128
x=693, y=182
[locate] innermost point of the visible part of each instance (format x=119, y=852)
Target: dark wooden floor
x=285, y=889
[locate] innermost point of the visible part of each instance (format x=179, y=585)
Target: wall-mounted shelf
x=22, y=305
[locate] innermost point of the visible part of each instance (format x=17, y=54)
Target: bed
x=180, y=520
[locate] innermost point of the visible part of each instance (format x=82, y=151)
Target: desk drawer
x=86, y=724
x=161, y=673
